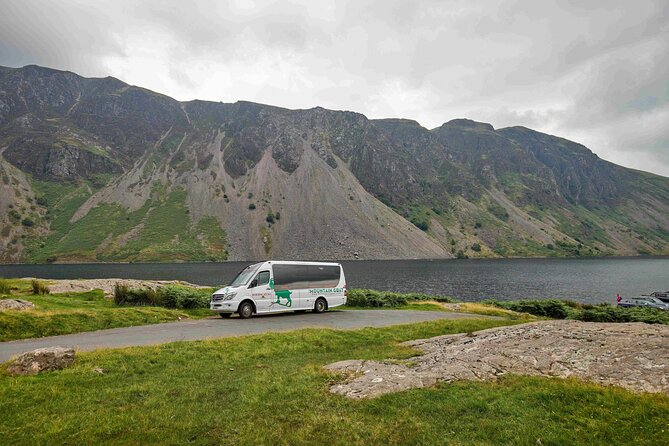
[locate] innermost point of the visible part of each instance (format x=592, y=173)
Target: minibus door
x=262, y=291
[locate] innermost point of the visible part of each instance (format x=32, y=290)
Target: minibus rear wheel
x=245, y=310
x=320, y=306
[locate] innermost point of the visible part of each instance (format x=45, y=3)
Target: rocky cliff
x=97, y=170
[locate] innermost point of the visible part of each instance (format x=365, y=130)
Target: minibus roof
x=297, y=262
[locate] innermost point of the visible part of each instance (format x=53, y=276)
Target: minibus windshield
x=244, y=275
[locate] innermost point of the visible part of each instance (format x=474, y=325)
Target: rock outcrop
x=633, y=355
x=41, y=360
x=16, y=305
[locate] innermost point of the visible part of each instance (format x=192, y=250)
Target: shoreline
x=414, y=259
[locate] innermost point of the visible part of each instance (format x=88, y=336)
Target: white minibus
x=274, y=286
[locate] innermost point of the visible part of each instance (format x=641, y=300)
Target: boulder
x=16, y=304
x=41, y=360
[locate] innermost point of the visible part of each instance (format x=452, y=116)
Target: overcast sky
x=595, y=71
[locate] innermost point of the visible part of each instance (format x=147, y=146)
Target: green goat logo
x=283, y=294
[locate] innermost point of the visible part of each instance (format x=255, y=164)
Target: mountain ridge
x=245, y=180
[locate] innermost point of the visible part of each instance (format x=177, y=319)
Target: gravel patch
x=634, y=356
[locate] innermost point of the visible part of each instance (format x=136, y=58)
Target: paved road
x=218, y=328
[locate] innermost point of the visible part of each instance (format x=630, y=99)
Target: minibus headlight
x=230, y=296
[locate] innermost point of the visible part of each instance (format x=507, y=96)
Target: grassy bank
x=271, y=389
x=57, y=314
x=547, y=308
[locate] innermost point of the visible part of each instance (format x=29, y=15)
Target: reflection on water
x=585, y=280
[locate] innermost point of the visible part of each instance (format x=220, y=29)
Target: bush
x=378, y=299
x=123, y=295
x=4, y=287
x=14, y=216
x=607, y=313
x=39, y=287
x=563, y=309
x=423, y=225
x=277, y=215
x=552, y=308
x=252, y=206
x=270, y=217
x=174, y=296
x=27, y=222
x=169, y=296
x=476, y=247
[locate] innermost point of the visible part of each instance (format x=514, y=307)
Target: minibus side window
x=323, y=276
x=261, y=279
x=290, y=277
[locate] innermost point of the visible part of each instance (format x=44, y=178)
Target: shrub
x=277, y=216
x=270, y=217
x=552, y=308
x=123, y=295
x=607, y=313
x=27, y=222
x=560, y=309
x=378, y=299
x=170, y=296
x=173, y=296
x=476, y=247
x=4, y=287
x=41, y=201
x=252, y=206
x=39, y=287
x=14, y=216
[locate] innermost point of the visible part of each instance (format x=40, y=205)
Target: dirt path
x=634, y=356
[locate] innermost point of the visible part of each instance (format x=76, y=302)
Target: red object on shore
x=618, y=298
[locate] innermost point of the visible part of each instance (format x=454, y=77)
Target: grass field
x=271, y=389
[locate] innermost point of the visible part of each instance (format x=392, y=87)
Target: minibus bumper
x=223, y=307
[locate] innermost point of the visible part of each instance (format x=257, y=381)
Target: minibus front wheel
x=321, y=305
x=245, y=310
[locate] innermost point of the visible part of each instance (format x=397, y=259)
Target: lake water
x=586, y=280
